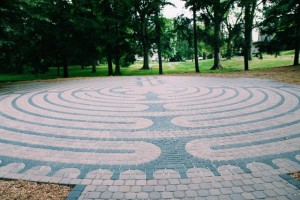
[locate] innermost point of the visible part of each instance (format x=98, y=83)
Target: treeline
x=44, y=33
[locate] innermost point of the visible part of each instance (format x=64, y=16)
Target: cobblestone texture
x=154, y=137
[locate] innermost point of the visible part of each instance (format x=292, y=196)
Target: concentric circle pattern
x=147, y=124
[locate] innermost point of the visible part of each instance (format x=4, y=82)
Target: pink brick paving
x=154, y=137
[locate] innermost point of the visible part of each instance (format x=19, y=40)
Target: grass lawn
x=233, y=65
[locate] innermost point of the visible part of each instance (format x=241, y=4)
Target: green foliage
x=35, y=35
x=213, y=13
x=167, y=38
x=183, y=28
x=282, y=27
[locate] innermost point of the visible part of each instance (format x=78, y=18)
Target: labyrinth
x=151, y=128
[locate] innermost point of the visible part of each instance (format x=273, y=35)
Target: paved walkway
x=154, y=137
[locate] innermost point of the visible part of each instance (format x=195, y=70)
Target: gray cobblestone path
x=154, y=137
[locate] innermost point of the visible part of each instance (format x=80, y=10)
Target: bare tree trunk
x=247, y=35
x=229, y=50
x=217, y=60
x=20, y=68
x=58, y=70
x=252, y=13
x=66, y=71
x=158, y=32
x=110, y=65
x=296, y=57
x=297, y=42
x=117, y=67
x=145, y=46
x=58, y=67
x=94, y=67
x=159, y=59
x=250, y=57
x=195, y=41
x=146, y=56
x=19, y=65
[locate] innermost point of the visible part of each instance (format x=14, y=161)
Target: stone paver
x=149, y=137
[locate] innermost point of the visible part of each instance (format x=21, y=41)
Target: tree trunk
x=252, y=13
x=250, y=57
x=159, y=59
x=296, y=57
x=145, y=46
x=58, y=70
x=66, y=71
x=247, y=35
x=110, y=65
x=217, y=60
x=58, y=67
x=117, y=67
x=297, y=42
x=20, y=68
x=158, y=32
x=94, y=67
x=229, y=49
x=19, y=65
x=195, y=40
x=146, y=56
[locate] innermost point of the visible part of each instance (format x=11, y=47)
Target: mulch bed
x=15, y=190
x=296, y=175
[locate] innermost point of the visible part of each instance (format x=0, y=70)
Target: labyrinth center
x=147, y=124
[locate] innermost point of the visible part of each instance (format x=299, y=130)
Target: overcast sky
x=171, y=11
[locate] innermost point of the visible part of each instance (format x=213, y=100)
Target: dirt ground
x=15, y=190
x=35, y=191
x=296, y=176
x=288, y=74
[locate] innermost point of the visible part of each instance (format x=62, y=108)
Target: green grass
x=235, y=64
x=288, y=53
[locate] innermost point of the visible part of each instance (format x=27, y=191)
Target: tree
x=282, y=26
x=233, y=28
x=194, y=7
x=195, y=38
x=15, y=42
x=106, y=20
x=27, y=36
x=86, y=32
x=250, y=7
x=116, y=34
x=167, y=38
x=159, y=25
x=143, y=13
x=183, y=29
x=215, y=11
x=61, y=15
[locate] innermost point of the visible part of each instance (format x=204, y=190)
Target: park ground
x=270, y=66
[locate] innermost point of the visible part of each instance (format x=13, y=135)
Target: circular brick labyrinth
x=146, y=128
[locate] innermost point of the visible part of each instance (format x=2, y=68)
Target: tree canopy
x=281, y=26
x=45, y=33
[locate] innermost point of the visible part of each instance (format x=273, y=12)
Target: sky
x=171, y=11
